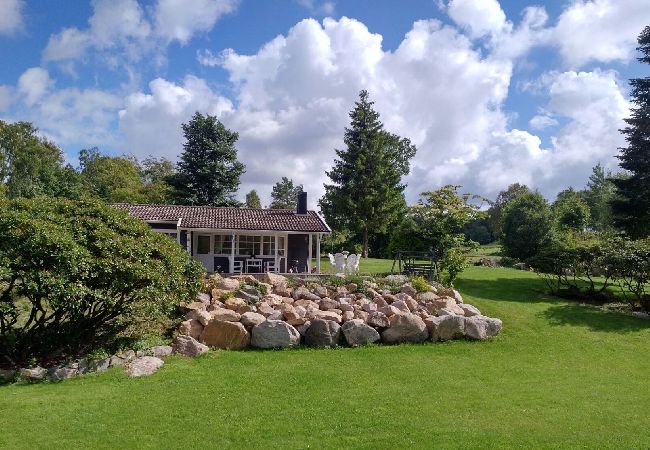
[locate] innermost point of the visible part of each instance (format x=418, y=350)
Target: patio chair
x=352, y=264
x=339, y=263
x=332, y=261
x=270, y=266
x=237, y=266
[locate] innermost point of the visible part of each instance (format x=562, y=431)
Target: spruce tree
x=208, y=170
x=253, y=200
x=366, y=193
x=631, y=208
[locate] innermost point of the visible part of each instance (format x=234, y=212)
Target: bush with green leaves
x=527, y=226
x=630, y=263
x=420, y=284
x=75, y=275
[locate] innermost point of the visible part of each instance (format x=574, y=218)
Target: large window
x=250, y=245
x=222, y=244
x=268, y=245
x=281, y=245
x=203, y=244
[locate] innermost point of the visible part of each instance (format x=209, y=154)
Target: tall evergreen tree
x=208, y=170
x=366, y=195
x=284, y=194
x=631, y=207
x=599, y=194
x=253, y=200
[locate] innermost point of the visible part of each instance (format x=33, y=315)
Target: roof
x=228, y=218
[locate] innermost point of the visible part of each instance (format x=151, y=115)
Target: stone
x=225, y=315
x=494, y=326
x=378, y=319
x=273, y=299
x=370, y=307
x=265, y=309
x=405, y=328
x=191, y=328
x=228, y=284
x=411, y=303
x=401, y=306
x=351, y=287
x=321, y=291
x=469, y=310
x=327, y=315
x=327, y=303
x=275, y=315
x=203, y=298
x=347, y=316
x=409, y=290
x=301, y=292
x=389, y=298
x=99, y=365
x=444, y=328
x=194, y=306
x=346, y=307
x=34, y=374
x=394, y=279
x=274, y=279
x=226, y=335
x=61, y=373
x=306, y=303
x=302, y=329
x=361, y=315
x=117, y=361
x=161, y=350
x=234, y=303
x=274, y=334
x=202, y=316
x=356, y=333
x=282, y=290
x=289, y=312
x=250, y=319
x=323, y=333
x=247, y=297
x=143, y=366
x=426, y=297
x=390, y=310
x=380, y=302
x=188, y=346
x=245, y=309
x=457, y=296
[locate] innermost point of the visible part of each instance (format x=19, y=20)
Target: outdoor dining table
x=254, y=263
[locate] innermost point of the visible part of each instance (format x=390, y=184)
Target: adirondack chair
x=352, y=264
x=339, y=263
x=331, y=257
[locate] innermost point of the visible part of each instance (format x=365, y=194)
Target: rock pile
x=242, y=311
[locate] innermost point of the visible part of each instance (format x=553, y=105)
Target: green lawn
x=560, y=375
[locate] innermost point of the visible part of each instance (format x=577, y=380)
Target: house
x=241, y=240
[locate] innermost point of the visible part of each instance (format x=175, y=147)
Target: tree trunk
x=364, y=253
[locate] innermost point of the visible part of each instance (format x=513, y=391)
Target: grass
x=560, y=375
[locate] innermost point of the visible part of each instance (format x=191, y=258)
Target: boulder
x=444, y=328
x=250, y=319
x=361, y=315
x=457, y=296
x=389, y=298
x=265, y=309
x=469, y=310
x=327, y=303
x=426, y=297
x=247, y=297
x=370, y=307
x=282, y=290
x=188, y=346
x=191, y=327
x=378, y=320
x=347, y=316
x=203, y=298
x=409, y=290
x=34, y=374
x=321, y=291
x=302, y=329
x=274, y=334
x=234, y=303
x=379, y=301
x=202, y=316
x=328, y=315
x=225, y=315
x=61, y=373
x=226, y=335
x=323, y=333
x=289, y=312
x=394, y=279
x=228, y=284
x=193, y=306
x=275, y=315
x=356, y=332
x=274, y=279
x=481, y=327
x=99, y=365
x=390, y=310
x=405, y=328
x=161, y=350
x=401, y=306
x=143, y=366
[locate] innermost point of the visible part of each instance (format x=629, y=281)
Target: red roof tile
x=229, y=218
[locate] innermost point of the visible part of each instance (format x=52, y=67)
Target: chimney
x=302, y=203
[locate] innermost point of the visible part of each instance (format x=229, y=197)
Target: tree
x=495, y=212
x=598, y=195
x=114, y=179
x=154, y=173
x=570, y=211
x=527, y=226
x=284, y=194
x=631, y=207
x=77, y=274
x=31, y=166
x=366, y=195
x=253, y=200
x=208, y=171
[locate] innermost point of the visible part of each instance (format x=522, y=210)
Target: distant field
x=560, y=375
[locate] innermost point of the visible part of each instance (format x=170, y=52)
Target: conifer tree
x=631, y=207
x=366, y=191
x=253, y=200
x=284, y=194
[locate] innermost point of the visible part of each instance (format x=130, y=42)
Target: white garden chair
x=331, y=257
x=339, y=263
x=352, y=264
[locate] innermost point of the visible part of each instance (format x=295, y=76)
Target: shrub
x=527, y=225
x=420, y=284
x=77, y=274
x=630, y=265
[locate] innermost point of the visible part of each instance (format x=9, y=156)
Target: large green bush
x=74, y=275
x=527, y=226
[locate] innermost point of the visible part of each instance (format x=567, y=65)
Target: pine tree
x=208, y=170
x=284, y=194
x=631, y=207
x=366, y=195
x=253, y=200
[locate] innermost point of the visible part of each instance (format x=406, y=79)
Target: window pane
x=222, y=243
x=281, y=246
x=203, y=245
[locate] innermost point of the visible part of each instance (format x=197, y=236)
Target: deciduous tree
x=253, y=200
x=527, y=225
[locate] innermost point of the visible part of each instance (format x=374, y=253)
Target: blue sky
x=491, y=92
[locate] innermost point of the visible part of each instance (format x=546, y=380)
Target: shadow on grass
x=522, y=290
x=594, y=318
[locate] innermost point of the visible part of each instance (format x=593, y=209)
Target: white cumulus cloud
x=11, y=16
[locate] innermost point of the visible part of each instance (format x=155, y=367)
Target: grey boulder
x=357, y=332
x=405, y=328
x=188, y=346
x=145, y=365
x=323, y=333
x=274, y=334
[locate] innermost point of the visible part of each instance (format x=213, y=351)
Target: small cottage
x=241, y=240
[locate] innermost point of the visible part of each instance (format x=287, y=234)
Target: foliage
x=479, y=230
x=366, y=192
x=435, y=224
x=226, y=295
x=31, y=166
x=570, y=211
x=208, y=170
x=631, y=207
x=420, y=284
x=598, y=195
x=630, y=263
x=253, y=200
x=527, y=225
x=78, y=273
x=113, y=179
x=497, y=209
x=154, y=173
x=284, y=194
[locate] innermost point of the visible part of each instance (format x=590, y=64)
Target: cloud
x=33, y=84
x=122, y=31
x=11, y=17
x=6, y=97
x=542, y=121
x=326, y=8
x=600, y=30
x=480, y=17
